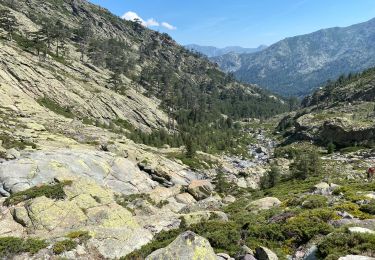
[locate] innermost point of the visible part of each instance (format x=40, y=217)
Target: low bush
x=343, y=243
x=63, y=246
x=55, y=191
x=368, y=208
x=10, y=246
x=81, y=236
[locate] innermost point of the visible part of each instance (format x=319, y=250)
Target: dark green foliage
x=344, y=243
x=271, y=178
x=331, y=148
x=55, y=107
x=190, y=147
x=162, y=239
x=55, y=191
x=10, y=246
x=306, y=164
x=369, y=208
x=63, y=246
x=314, y=201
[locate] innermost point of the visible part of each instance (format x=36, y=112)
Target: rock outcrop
x=186, y=246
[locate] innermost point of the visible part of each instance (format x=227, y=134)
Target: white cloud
x=132, y=16
x=168, y=26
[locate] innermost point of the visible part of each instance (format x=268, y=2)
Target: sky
x=246, y=23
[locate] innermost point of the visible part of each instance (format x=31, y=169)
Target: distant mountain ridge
x=211, y=51
x=297, y=65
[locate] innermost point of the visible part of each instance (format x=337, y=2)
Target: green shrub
x=314, y=201
x=271, y=178
x=81, y=236
x=11, y=142
x=331, y=148
x=352, y=209
x=10, y=246
x=306, y=164
x=162, y=239
x=368, y=208
x=55, y=191
x=340, y=244
x=63, y=246
x=55, y=107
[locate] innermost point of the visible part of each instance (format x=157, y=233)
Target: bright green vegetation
x=10, y=246
x=342, y=243
x=55, y=107
x=63, y=246
x=81, y=236
x=204, y=101
x=302, y=216
x=74, y=238
x=55, y=191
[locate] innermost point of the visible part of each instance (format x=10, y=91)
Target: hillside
x=297, y=65
x=341, y=113
x=211, y=51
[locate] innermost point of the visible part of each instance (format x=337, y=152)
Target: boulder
x=186, y=246
x=223, y=256
x=360, y=230
x=200, y=189
x=370, y=195
x=197, y=217
x=185, y=198
x=264, y=204
x=229, y=199
x=356, y=257
x=263, y=253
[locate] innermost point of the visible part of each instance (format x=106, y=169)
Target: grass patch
x=10, y=246
x=63, y=246
x=55, y=107
x=55, y=191
x=11, y=142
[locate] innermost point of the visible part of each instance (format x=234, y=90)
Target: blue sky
x=246, y=23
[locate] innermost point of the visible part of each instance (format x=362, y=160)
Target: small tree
x=306, y=164
x=190, y=148
x=271, y=178
x=331, y=147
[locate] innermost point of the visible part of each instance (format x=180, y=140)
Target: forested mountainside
x=297, y=65
x=341, y=113
x=105, y=69
x=211, y=51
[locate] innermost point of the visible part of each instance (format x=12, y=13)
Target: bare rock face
x=87, y=207
x=264, y=203
x=186, y=246
x=356, y=257
x=120, y=174
x=200, y=189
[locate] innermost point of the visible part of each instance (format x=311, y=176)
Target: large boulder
x=360, y=230
x=200, y=189
x=356, y=257
x=263, y=204
x=186, y=246
x=88, y=207
x=263, y=253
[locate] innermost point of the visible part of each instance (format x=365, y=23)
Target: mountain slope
x=294, y=66
x=341, y=113
x=211, y=51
